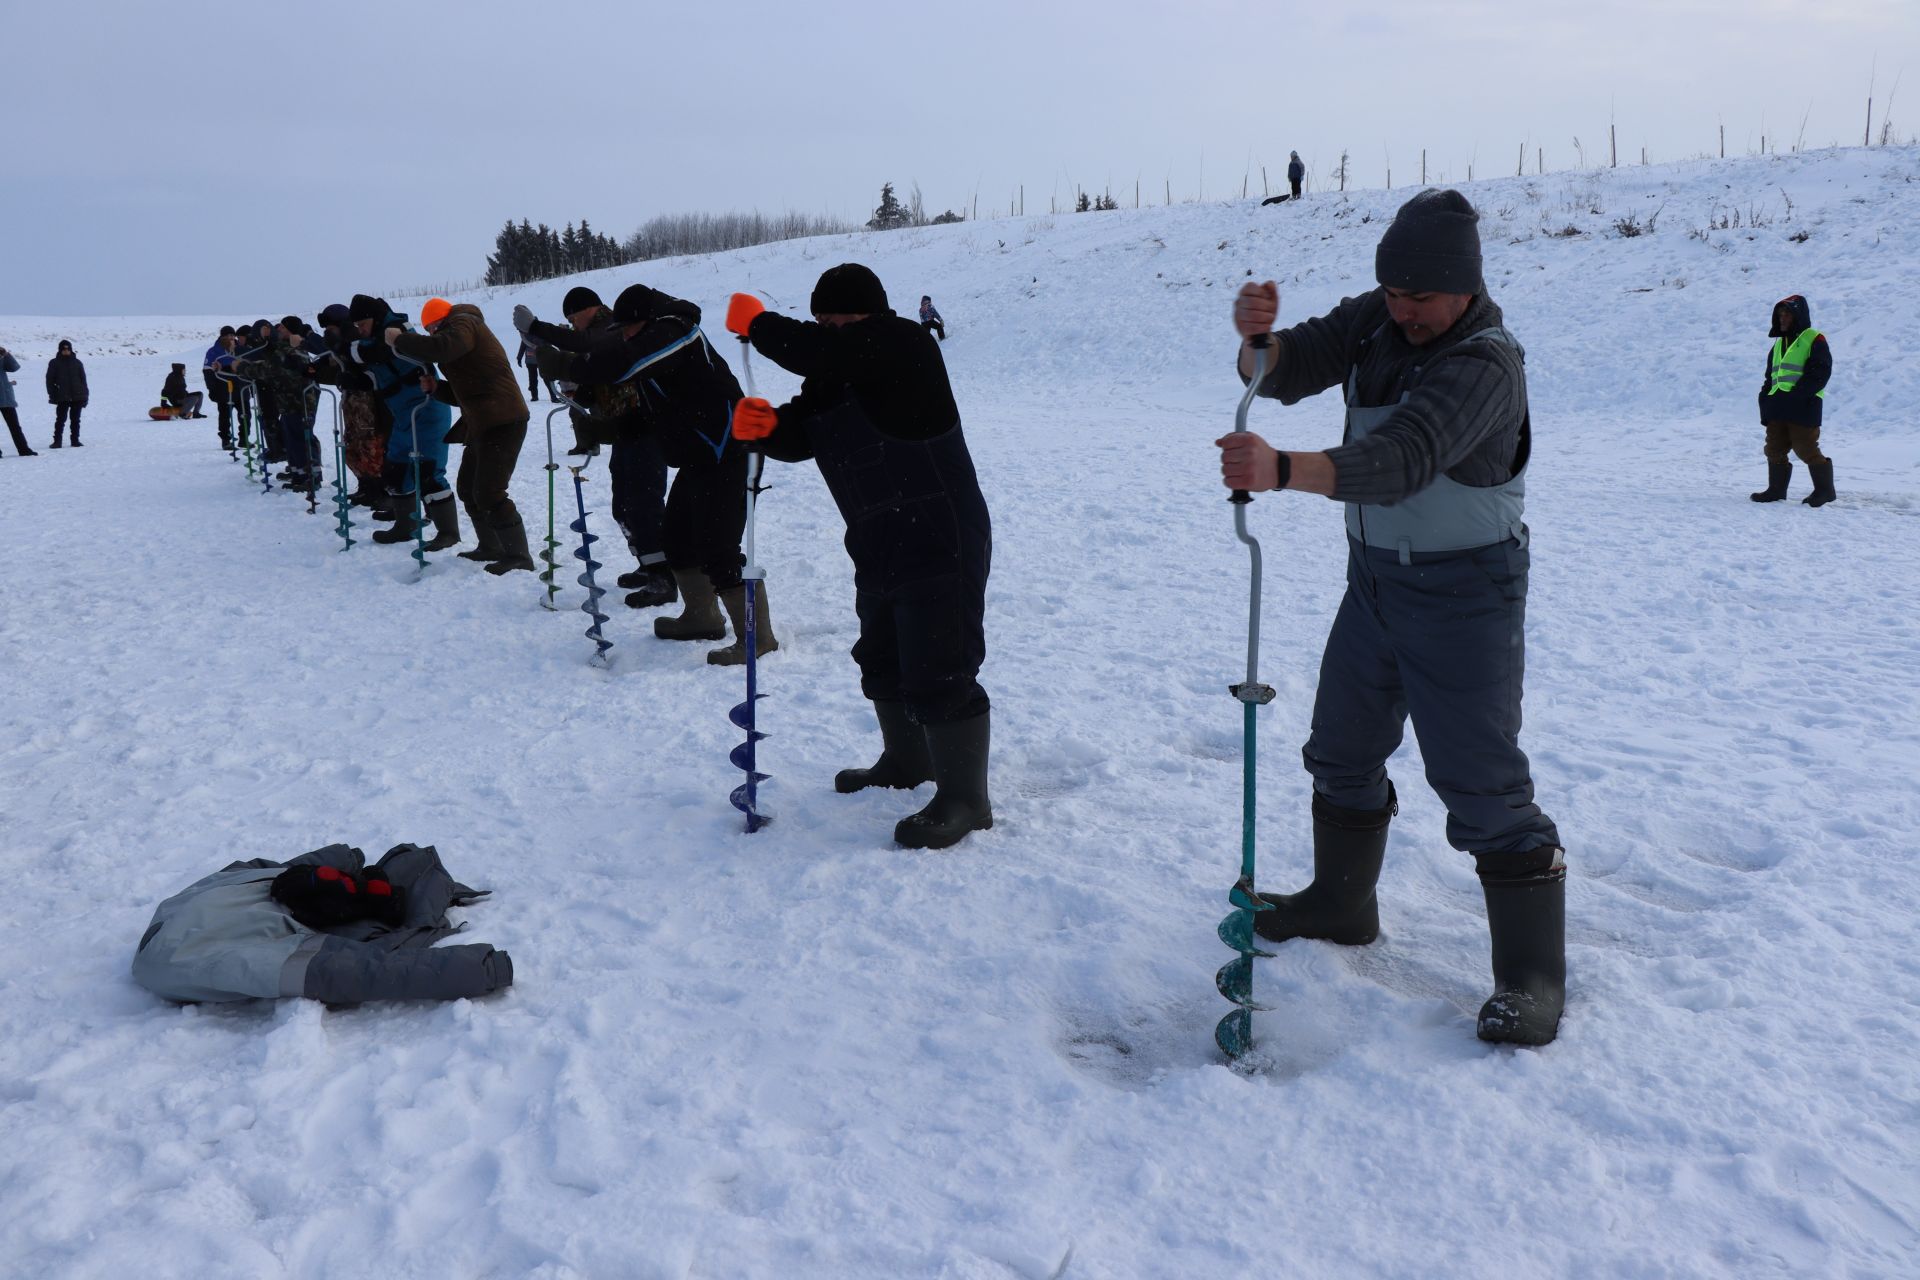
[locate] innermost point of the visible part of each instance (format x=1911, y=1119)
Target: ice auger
x=548, y=547
x=591, y=605
x=746, y=796
x=1234, y=1035
x=342, y=504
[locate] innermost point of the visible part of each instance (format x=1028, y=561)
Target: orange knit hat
x=433, y=311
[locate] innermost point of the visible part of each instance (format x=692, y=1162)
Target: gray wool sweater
x=1462, y=420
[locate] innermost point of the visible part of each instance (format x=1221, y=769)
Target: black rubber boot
x=655, y=586
x=958, y=750
x=700, y=618
x=1822, y=494
x=510, y=535
x=445, y=514
x=734, y=601
x=1527, y=919
x=488, y=548
x=903, y=764
x=1339, y=905
x=403, y=522
x=1778, y=476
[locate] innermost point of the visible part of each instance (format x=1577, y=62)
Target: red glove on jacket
x=753, y=418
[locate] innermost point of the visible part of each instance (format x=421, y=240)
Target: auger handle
x=1240, y=497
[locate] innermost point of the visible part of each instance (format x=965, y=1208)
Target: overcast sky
x=254, y=159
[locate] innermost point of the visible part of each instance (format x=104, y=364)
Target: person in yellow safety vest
x=1798, y=366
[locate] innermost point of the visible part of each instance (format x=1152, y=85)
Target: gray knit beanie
x=1432, y=246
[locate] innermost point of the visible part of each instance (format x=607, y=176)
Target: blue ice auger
x=591, y=605
x=1234, y=1035
x=746, y=796
x=342, y=504
x=259, y=438
x=419, y=512
x=548, y=547
x=233, y=397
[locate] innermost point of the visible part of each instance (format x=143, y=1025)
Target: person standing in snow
x=1296, y=172
x=215, y=367
x=1798, y=367
x=258, y=344
x=280, y=374
x=877, y=413
x=365, y=422
x=930, y=318
x=635, y=469
x=66, y=390
x=532, y=366
x=9, y=404
x=406, y=387
x=492, y=426
x=659, y=378
x=1431, y=470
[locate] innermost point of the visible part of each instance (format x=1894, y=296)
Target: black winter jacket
x=66, y=380
x=1800, y=407
x=666, y=381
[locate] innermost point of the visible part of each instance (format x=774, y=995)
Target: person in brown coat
x=493, y=423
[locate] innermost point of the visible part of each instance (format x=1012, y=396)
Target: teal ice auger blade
x=342, y=504
x=419, y=552
x=1234, y=1034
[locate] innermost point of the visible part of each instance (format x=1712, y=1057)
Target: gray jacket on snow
x=227, y=938
x=8, y=365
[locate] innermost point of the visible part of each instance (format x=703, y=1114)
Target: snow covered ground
x=807, y=1053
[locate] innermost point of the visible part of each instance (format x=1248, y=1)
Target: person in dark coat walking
x=663, y=381
x=66, y=391
x=1791, y=402
x=9, y=405
x=635, y=469
x=877, y=413
x=1431, y=469
x=532, y=366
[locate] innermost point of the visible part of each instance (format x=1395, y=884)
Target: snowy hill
x=807, y=1053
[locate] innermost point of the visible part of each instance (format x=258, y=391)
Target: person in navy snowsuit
x=877, y=413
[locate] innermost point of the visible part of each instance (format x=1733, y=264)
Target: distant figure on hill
x=930, y=318
x=9, y=408
x=533, y=372
x=1798, y=366
x=1296, y=172
x=66, y=391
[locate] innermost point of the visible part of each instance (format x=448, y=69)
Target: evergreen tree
x=891, y=214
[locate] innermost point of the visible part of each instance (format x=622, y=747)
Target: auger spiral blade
x=746, y=796
x=551, y=587
x=591, y=605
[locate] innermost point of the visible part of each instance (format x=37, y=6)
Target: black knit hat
x=578, y=299
x=293, y=324
x=226, y=331
x=638, y=304
x=364, y=308
x=1432, y=246
x=335, y=313
x=178, y=365
x=849, y=289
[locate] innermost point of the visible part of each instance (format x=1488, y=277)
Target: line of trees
x=525, y=253
x=673, y=234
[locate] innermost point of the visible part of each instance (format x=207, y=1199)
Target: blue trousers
x=1445, y=642
x=639, y=479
